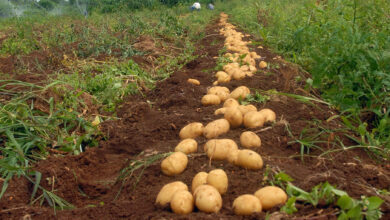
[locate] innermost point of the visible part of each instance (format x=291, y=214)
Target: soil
x=151, y=124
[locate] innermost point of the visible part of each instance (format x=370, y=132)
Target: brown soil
x=152, y=123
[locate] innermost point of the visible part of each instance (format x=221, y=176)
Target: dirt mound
x=152, y=123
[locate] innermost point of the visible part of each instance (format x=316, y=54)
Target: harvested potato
x=208, y=199
x=222, y=77
x=246, y=108
x=232, y=156
x=193, y=82
x=269, y=115
x=263, y=65
x=218, y=149
x=199, y=179
x=210, y=99
x=246, y=205
x=254, y=119
x=216, y=128
x=182, y=202
x=252, y=69
x=165, y=195
x=238, y=74
x=187, y=146
x=220, y=111
x=218, y=179
x=220, y=91
x=249, y=159
x=191, y=130
x=240, y=92
x=271, y=196
x=230, y=102
x=234, y=116
x=249, y=139
x=175, y=164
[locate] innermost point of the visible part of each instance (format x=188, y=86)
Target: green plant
x=257, y=97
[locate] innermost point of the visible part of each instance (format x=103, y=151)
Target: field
x=92, y=103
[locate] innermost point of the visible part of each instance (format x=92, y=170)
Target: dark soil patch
x=152, y=124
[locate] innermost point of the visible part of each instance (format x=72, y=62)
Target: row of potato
x=207, y=188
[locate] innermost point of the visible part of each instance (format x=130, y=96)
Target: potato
x=232, y=156
x=263, y=65
x=175, y=164
x=199, y=179
x=271, y=196
x=218, y=179
x=252, y=68
x=246, y=108
x=222, y=77
x=222, y=92
x=193, y=82
x=165, y=195
x=191, y=130
x=182, y=202
x=210, y=100
x=230, y=102
x=216, y=128
x=246, y=205
x=234, y=116
x=254, y=119
x=240, y=92
x=218, y=149
x=269, y=115
x=249, y=159
x=187, y=146
x=249, y=139
x=254, y=55
x=208, y=199
x=220, y=111
x=238, y=74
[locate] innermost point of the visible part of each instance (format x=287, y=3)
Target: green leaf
x=342, y=216
x=38, y=177
x=355, y=213
x=289, y=207
x=345, y=202
x=374, y=202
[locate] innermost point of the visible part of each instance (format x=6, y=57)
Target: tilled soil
x=151, y=124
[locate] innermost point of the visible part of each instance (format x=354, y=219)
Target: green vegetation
x=343, y=44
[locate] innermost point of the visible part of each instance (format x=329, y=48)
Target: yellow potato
x=187, y=146
x=218, y=179
x=254, y=55
x=232, y=156
x=210, y=100
x=218, y=149
x=254, y=119
x=246, y=205
x=249, y=139
x=271, y=196
x=208, y=199
x=238, y=74
x=234, y=116
x=244, y=68
x=220, y=91
x=191, y=130
x=249, y=159
x=230, y=102
x=246, y=108
x=263, y=65
x=165, y=195
x=240, y=92
x=216, y=128
x=182, y=202
x=220, y=111
x=269, y=115
x=175, y=164
x=252, y=68
x=199, y=179
x=194, y=82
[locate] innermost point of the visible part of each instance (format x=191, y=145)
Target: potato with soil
x=234, y=116
x=193, y=82
x=232, y=156
x=246, y=205
x=191, y=130
x=249, y=159
x=218, y=149
x=174, y=164
x=230, y=102
x=271, y=196
x=182, y=202
x=208, y=199
x=220, y=111
x=250, y=139
x=254, y=119
x=220, y=91
x=210, y=100
x=246, y=108
x=198, y=180
x=166, y=193
x=216, y=128
x=240, y=92
x=263, y=65
x=187, y=146
x=218, y=179
x=269, y=115
x=222, y=77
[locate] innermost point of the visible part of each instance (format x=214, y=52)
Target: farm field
x=91, y=106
